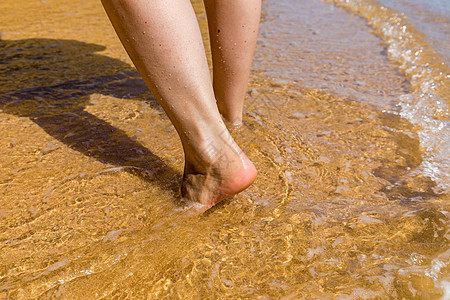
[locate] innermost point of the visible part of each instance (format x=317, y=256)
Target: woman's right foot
x=217, y=172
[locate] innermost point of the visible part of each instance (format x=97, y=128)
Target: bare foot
x=217, y=173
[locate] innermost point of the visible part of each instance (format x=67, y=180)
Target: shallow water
x=343, y=207
x=430, y=17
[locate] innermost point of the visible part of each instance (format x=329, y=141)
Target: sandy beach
x=91, y=167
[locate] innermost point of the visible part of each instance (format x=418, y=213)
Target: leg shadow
x=51, y=81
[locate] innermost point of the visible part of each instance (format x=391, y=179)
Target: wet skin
x=164, y=42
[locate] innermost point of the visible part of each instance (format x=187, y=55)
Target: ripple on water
x=91, y=167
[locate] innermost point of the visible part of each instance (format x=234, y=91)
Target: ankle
x=232, y=121
x=230, y=115
x=217, y=150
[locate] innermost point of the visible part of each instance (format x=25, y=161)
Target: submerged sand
x=90, y=168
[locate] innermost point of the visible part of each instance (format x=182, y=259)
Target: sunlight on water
x=427, y=106
x=91, y=168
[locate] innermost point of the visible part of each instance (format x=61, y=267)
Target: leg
x=233, y=29
x=163, y=40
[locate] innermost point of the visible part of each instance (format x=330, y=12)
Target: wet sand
x=91, y=168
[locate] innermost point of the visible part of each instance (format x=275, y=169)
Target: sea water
x=346, y=119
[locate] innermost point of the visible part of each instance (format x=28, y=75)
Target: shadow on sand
x=50, y=82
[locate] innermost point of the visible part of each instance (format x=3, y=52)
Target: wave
x=427, y=106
